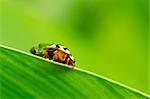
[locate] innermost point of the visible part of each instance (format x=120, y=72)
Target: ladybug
x=54, y=52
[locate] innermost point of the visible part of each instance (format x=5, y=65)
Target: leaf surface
x=23, y=75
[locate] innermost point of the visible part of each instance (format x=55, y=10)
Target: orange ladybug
x=54, y=52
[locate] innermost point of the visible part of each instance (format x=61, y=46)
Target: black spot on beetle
x=65, y=48
x=57, y=46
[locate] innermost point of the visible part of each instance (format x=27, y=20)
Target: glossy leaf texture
x=23, y=75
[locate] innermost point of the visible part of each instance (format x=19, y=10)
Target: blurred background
x=108, y=37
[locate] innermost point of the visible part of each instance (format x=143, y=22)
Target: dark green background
x=109, y=37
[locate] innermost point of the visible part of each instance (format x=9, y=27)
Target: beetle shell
x=54, y=52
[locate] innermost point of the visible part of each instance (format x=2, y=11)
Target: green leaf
x=23, y=75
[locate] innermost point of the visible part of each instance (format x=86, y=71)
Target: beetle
x=54, y=52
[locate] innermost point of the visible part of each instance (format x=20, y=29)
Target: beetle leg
x=68, y=61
